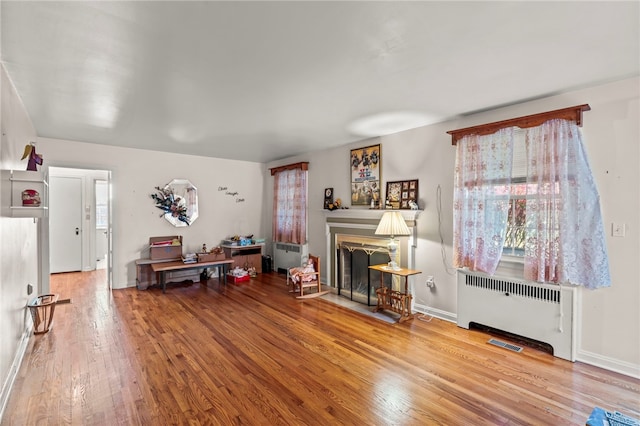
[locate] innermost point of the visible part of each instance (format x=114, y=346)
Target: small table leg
x=163, y=282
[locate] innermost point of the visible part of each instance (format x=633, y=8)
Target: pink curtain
x=481, y=199
x=290, y=206
x=565, y=240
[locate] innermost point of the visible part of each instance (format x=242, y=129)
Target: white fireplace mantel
x=371, y=214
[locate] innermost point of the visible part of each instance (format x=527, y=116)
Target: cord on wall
x=425, y=317
x=448, y=270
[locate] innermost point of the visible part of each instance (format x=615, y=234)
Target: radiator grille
x=537, y=292
x=295, y=248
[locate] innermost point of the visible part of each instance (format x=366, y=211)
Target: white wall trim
x=15, y=367
x=608, y=363
x=437, y=313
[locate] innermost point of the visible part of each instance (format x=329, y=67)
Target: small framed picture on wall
x=402, y=194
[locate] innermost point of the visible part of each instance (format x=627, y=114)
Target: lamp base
x=393, y=265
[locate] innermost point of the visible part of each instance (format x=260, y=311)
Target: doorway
x=101, y=192
x=79, y=220
x=65, y=223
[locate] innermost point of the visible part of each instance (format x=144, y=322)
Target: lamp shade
x=392, y=223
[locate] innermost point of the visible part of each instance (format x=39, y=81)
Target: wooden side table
x=250, y=255
x=393, y=300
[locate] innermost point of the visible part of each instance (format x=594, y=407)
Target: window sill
x=512, y=259
x=511, y=267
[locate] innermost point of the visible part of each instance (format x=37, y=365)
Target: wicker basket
x=42, y=308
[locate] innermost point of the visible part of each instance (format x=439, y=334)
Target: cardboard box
x=158, y=252
x=237, y=280
x=210, y=257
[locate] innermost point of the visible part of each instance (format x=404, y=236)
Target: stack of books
x=190, y=258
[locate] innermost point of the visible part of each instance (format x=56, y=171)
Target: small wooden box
x=165, y=251
x=210, y=257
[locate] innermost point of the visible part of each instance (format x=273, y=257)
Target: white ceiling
x=260, y=81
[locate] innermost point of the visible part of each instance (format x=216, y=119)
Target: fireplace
x=355, y=280
x=353, y=247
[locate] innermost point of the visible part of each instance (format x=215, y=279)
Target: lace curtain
x=481, y=199
x=565, y=241
x=290, y=206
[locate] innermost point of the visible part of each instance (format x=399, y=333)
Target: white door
x=65, y=224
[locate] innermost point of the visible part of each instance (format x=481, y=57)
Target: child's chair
x=307, y=276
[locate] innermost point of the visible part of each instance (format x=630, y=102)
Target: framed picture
x=366, y=173
x=401, y=194
x=328, y=197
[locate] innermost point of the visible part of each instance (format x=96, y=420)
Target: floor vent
x=505, y=345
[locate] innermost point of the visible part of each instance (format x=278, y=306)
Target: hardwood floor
x=255, y=355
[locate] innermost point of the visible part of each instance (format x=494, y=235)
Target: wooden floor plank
x=254, y=354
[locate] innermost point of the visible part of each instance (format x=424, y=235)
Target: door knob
x=77, y=231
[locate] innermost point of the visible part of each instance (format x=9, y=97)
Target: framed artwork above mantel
x=402, y=194
x=366, y=165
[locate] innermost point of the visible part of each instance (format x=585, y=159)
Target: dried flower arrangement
x=171, y=204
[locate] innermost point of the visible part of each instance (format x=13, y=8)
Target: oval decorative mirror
x=179, y=201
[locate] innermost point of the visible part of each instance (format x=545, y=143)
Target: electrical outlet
x=430, y=282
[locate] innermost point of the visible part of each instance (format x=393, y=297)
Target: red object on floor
x=237, y=280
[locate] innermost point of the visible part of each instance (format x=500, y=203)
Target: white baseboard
x=443, y=315
x=13, y=371
x=607, y=363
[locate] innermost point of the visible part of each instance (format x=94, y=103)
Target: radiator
x=542, y=312
x=286, y=255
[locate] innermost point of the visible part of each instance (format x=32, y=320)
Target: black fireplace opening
x=355, y=280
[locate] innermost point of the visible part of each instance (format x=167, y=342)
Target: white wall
x=135, y=174
x=18, y=240
x=609, y=329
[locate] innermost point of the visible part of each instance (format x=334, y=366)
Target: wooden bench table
x=163, y=268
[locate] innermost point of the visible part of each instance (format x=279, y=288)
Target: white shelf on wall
x=372, y=214
x=17, y=181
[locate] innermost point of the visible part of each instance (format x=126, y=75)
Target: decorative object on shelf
x=337, y=204
x=328, y=197
x=238, y=240
x=401, y=193
x=30, y=198
x=392, y=224
x=35, y=159
x=190, y=258
x=25, y=193
x=366, y=165
x=179, y=202
x=211, y=256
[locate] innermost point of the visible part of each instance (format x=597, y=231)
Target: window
x=516, y=229
x=529, y=192
x=289, y=224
